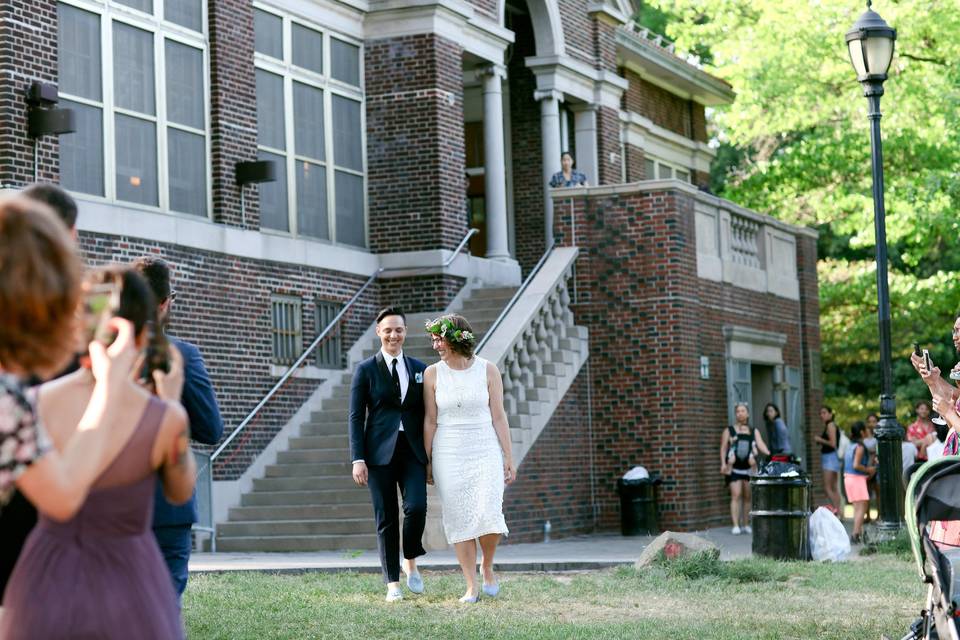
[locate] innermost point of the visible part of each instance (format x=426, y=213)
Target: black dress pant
x=407, y=473
x=17, y=519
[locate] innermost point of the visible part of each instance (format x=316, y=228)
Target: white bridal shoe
x=394, y=595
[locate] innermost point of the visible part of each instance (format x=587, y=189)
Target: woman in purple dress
x=100, y=574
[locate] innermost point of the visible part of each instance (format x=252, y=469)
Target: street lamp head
x=870, y=42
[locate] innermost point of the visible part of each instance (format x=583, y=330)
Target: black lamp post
x=870, y=43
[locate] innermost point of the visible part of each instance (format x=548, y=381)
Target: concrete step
x=325, y=428
x=304, y=483
x=339, y=469
x=529, y=407
x=518, y=421
x=333, y=441
x=338, y=415
x=554, y=369
x=304, y=512
x=328, y=526
x=492, y=292
x=317, y=496
x=337, y=403
x=546, y=382
x=314, y=456
x=298, y=543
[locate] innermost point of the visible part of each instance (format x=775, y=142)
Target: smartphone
x=157, y=357
x=100, y=304
x=926, y=360
x=916, y=349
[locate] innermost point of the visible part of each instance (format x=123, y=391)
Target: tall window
x=136, y=79
x=310, y=122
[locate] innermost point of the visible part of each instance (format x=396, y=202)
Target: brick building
x=393, y=128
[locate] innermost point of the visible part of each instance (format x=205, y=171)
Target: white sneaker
x=394, y=595
x=747, y=529
x=735, y=531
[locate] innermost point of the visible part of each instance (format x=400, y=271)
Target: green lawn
x=751, y=599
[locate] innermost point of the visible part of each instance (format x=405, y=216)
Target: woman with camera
x=102, y=567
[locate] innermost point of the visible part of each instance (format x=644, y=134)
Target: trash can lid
x=655, y=479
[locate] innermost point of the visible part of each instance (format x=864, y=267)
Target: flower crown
x=445, y=328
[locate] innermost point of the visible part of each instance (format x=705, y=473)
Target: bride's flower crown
x=445, y=328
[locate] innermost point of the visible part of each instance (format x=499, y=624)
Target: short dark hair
x=391, y=311
x=920, y=402
x=57, y=199
x=873, y=415
x=156, y=271
x=775, y=408
x=856, y=431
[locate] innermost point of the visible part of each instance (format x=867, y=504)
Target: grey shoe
x=415, y=582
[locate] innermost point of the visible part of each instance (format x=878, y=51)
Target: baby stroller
x=934, y=494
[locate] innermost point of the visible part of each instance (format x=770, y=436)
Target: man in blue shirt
x=172, y=524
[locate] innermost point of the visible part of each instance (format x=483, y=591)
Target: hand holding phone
x=100, y=305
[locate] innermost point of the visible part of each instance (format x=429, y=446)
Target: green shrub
x=694, y=566
x=706, y=565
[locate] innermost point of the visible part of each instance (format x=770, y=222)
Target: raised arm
x=429, y=416
x=932, y=378
x=500, y=423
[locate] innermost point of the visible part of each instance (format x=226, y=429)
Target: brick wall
x=233, y=114
x=28, y=52
x=421, y=294
x=223, y=306
x=604, y=43
x=812, y=379
x=637, y=272
x=415, y=143
x=554, y=480
x=526, y=150
x=608, y=146
x=578, y=30
x=634, y=159
x=659, y=105
x=487, y=8
x=698, y=123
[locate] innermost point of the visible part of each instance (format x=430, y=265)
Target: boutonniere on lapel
x=418, y=377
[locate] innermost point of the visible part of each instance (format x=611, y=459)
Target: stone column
x=585, y=126
x=550, y=136
x=495, y=170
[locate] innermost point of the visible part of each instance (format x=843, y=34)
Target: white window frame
x=657, y=163
x=330, y=87
x=162, y=30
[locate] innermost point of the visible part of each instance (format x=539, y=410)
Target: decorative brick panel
x=415, y=143
x=422, y=294
x=637, y=272
x=223, y=306
x=698, y=121
x=28, y=52
x=604, y=44
x=233, y=111
x=554, y=481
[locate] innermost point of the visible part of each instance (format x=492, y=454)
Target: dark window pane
x=308, y=121
x=144, y=5
x=347, y=134
x=133, y=69
x=273, y=196
x=346, y=61
x=307, y=48
x=78, y=50
x=81, y=152
x=188, y=172
x=184, y=84
x=186, y=13
x=270, y=114
x=312, y=201
x=136, y=160
x=349, y=197
x=268, y=33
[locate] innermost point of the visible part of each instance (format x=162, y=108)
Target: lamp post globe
x=870, y=43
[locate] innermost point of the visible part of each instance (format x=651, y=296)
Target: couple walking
x=411, y=425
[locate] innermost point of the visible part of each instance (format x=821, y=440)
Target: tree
x=795, y=144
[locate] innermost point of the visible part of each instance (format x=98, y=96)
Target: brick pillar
x=415, y=143
x=608, y=146
x=233, y=115
x=28, y=52
x=635, y=167
x=810, y=328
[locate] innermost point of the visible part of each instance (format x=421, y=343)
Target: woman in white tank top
x=467, y=440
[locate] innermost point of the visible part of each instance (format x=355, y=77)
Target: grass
x=699, y=598
x=897, y=546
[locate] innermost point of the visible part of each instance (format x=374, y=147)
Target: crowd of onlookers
x=97, y=406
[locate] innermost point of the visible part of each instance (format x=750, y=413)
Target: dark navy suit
x=171, y=523
x=394, y=458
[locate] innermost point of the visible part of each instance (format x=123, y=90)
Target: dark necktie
x=396, y=379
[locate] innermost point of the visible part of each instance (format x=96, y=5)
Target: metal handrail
x=516, y=296
x=323, y=334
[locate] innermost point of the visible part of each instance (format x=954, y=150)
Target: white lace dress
x=467, y=459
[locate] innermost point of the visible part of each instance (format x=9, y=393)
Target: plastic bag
x=828, y=537
x=637, y=473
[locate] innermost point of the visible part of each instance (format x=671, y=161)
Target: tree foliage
x=795, y=144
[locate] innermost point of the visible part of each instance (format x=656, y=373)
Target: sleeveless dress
x=100, y=574
x=467, y=459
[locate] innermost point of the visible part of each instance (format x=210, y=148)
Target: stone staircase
x=307, y=500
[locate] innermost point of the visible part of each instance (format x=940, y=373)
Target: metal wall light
x=252, y=172
x=44, y=119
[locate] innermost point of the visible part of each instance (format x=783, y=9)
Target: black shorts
x=736, y=475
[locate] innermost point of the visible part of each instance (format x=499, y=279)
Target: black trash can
x=638, y=506
x=779, y=515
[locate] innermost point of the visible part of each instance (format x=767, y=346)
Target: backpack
x=741, y=444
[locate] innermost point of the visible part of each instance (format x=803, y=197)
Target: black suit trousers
x=410, y=475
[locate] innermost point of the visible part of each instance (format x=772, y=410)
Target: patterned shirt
x=577, y=179
x=19, y=435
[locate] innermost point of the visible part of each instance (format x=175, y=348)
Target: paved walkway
x=567, y=554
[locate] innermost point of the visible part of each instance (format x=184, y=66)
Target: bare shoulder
x=175, y=419
x=430, y=373
x=492, y=370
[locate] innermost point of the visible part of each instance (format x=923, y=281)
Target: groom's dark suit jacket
x=376, y=411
